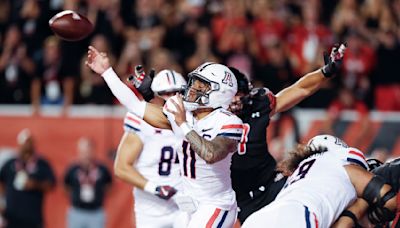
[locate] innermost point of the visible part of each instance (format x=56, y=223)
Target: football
x=70, y=25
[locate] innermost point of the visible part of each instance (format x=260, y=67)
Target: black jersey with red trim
x=253, y=166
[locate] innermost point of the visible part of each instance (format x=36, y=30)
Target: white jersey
x=208, y=183
x=321, y=183
x=157, y=162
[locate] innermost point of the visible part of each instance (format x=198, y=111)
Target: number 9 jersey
x=158, y=162
x=321, y=183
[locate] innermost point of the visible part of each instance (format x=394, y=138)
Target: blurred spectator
x=346, y=16
x=395, y=6
x=161, y=59
x=5, y=10
x=26, y=179
x=16, y=69
x=203, y=52
x=51, y=86
x=227, y=25
x=371, y=11
x=181, y=20
x=358, y=65
x=308, y=40
x=33, y=19
x=387, y=82
x=267, y=29
x=5, y=155
x=239, y=56
x=87, y=182
x=130, y=57
x=93, y=90
x=144, y=26
x=104, y=14
x=177, y=33
x=278, y=72
x=346, y=101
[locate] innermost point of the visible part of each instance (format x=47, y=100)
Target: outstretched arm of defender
x=310, y=83
x=99, y=63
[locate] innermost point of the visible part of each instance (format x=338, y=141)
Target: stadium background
x=273, y=42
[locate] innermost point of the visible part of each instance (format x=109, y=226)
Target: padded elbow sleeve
x=377, y=213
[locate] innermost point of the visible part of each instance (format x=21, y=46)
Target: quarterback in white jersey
x=211, y=88
x=327, y=180
x=207, y=193
x=147, y=159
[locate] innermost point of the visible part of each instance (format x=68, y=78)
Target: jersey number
x=164, y=166
x=303, y=170
x=244, y=139
x=189, y=161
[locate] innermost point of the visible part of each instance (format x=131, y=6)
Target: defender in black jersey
x=253, y=174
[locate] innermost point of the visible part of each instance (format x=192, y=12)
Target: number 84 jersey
x=158, y=160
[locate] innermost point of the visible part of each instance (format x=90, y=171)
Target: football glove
x=162, y=191
x=333, y=62
x=142, y=82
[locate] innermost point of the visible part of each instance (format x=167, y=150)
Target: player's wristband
x=352, y=216
x=150, y=187
x=185, y=128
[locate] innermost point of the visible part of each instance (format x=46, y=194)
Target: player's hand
x=162, y=191
x=236, y=105
x=333, y=62
x=97, y=61
x=165, y=192
x=180, y=113
x=142, y=82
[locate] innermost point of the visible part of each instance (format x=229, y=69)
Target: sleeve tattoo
x=211, y=151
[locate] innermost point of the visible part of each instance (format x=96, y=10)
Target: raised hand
x=97, y=61
x=142, y=82
x=333, y=62
x=179, y=112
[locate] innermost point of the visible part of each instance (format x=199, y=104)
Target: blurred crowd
x=26, y=177
x=274, y=42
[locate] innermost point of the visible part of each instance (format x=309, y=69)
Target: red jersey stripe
x=361, y=155
x=213, y=218
x=230, y=126
x=315, y=220
x=133, y=120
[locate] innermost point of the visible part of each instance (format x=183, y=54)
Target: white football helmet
x=326, y=141
x=167, y=81
x=221, y=87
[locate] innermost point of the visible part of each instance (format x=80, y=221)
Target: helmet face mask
x=199, y=89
